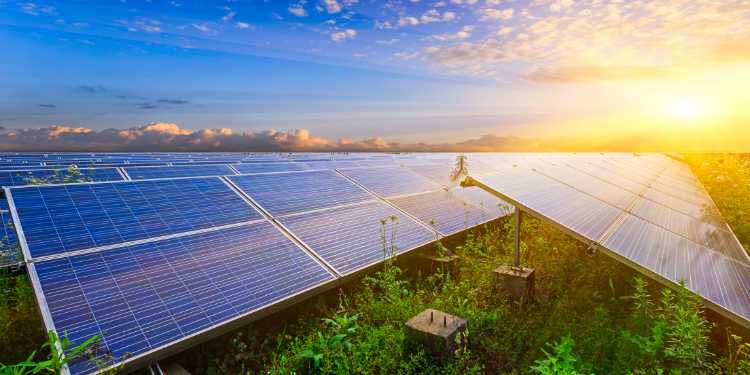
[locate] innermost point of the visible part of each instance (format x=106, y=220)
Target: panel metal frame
x=383, y=199
x=33, y=276
x=170, y=165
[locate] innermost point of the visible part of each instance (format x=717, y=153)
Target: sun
x=688, y=109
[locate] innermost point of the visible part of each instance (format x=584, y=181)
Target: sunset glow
x=376, y=73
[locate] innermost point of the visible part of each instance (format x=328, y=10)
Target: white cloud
x=408, y=21
x=203, y=27
x=384, y=25
x=559, y=5
x=491, y=14
x=242, y=25
x=340, y=36
x=494, y=2
x=462, y=2
x=142, y=24
x=387, y=41
x=433, y=15
x=462, y=34
x=406, y=55
x=332, y=6
x=297, y=10
x=230, y=14
x=504, y=31
x=34, y=9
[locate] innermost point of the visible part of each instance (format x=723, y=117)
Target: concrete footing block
x=449, y=262
x=518, y=282
x=440, y=333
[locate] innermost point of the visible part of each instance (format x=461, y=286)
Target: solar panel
x=442, y=211
x=575, y=210
x=286, y=193
x=17, y=178
x=142, y=297
x=491, y=204
x=351, y=237
x=657, y=239
x=143, y=173
x=698, y=231
x=63, y=218
x=713, y=276
x=270, y=167
x=390, y=181
x=602, y=190
x=333, y=164
x=8, y=240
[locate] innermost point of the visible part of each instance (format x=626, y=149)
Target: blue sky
x=407, y=70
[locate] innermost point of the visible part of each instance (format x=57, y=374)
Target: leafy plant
x=560, y=361
x=60, y=354
x=71, y=175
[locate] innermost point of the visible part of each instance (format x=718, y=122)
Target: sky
x=666, y=75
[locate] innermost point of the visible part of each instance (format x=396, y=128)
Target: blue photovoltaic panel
x=270, y=167
x=351, y=237
x=392, y=181
x=142, y=297
x=443, y=211
x=287, y=193
x=333, y=164
x=64, y=218
x=17, y=178
x=491, y=204
x=575, y=210
x=8, y=241
x=144, y=173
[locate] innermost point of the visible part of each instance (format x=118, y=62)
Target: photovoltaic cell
x=352, y=237
x=442, y=211
x=8, y=241
x=144, y=173
x=270, y=167
x=713, y=276
x=332, y=164
x=139, y=298
x=491, y=204
x=63, y=218
x=695, y=230
x=18, y=178
x=286, y=193
x=391, y=181
x=575, y=210
x=599, y=189
x=663, y=231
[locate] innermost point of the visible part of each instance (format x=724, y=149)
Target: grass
x=590, y=316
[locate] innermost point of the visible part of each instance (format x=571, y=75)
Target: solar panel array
x=648, y=211
x=182, y=246
x=174, y=246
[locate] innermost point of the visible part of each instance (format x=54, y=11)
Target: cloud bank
x=170, y=137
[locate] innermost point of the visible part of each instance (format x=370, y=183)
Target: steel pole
x=517, y=237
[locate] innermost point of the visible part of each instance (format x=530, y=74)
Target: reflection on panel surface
x=145, y=173
x=442, y=211
x=18, y=178
x=286, y=193
x=573, y=209
x=270, y=167
x=353, y=237
x=142, y=297
x=392, y=181
x=63, y=218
